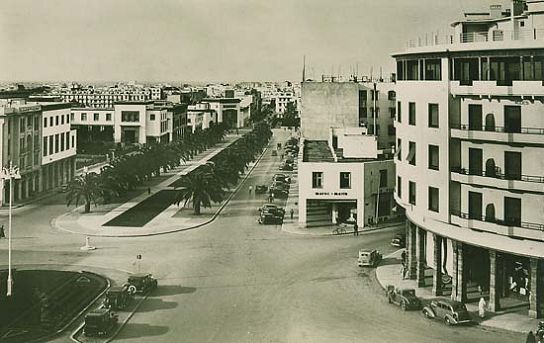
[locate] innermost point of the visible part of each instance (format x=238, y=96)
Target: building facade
x=469, y=159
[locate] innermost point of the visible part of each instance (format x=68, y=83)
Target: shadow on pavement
x=389, y=261
x=151, y=305
x=134, y=330
x=171, y=290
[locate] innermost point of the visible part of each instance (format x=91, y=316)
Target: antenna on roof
x=304, y=68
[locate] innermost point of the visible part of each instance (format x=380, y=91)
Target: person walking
x=481, y=307
x=292, y=212
x=250, y=189
x=2, y=232
x=355, y=229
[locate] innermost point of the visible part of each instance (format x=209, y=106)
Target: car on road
x=117, y=297
x=272, y=208
x=284, y=177
x=270, y=218
x=141, y=283
x=403, y=297
x=274, y=153
x=286, y=167
x=449, y=311
x=369, y=258
x=100, y=322
x=399, y=240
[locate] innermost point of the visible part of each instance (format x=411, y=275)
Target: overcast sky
x=211, y=40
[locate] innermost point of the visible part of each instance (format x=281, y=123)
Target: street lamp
x=10, y=173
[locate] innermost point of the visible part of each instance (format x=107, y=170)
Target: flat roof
x=317, y=151
x=223, y=100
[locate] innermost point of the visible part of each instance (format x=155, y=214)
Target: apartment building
x=37, y=139
x=344, y=175
x=105, y=97
x=469, y=161
x=126, y=122
x=200, y=116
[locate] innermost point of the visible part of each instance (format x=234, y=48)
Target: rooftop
x=317, y=151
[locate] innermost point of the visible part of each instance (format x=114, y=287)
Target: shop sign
x=331, y=193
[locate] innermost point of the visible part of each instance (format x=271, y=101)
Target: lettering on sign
x=334, y=193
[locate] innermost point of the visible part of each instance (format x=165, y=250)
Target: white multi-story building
x=200, y=116
x=470, y=162
x=106, y=97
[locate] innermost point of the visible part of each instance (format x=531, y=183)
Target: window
x=391, y=130
x=130, y=116
x=372, y=95
x=36, y=123
x=73, y=141
x=51, y=146
x=432, y=70
x=399, y=186
x=433, y=199
x=433, y=115
x=151, y=117
x=57, y=120
x=62, y=120
x=412, y=113
x=67, y=140
x=44, y=122
x=392, y=112
x=71, y=116
x=96, y=117
x=83, y=116
x=391, y=95
x=317, y=180
x=345, y=180
x=68, y=119
x=399, y=118
x=433, y=157
x=412, y=70
x=512, y=165
x=57, y=146
x=22, y=125
x=411, y=157
x=412, y=192
x=62, y=141
x=399, y=149
x=108, y=116
x=383, y=178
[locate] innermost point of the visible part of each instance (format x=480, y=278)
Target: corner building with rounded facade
x=470, y=158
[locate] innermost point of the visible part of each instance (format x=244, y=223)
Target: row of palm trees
x=129, y=171
x=209, y=183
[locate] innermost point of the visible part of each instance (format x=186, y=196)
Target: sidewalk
x=512, y=320
x=172, y=219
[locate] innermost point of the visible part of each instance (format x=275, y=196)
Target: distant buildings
x=470, y=157
x=344, y=174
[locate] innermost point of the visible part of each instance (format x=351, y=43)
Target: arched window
x=490, y=213
x=490, y=122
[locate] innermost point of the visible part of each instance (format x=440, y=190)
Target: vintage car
x=399, y=240
x=274, y=153
x=261, y=189
x=286, y=166
x=279, y=192
x=141, y=283
x=449, y=311
x=272, y=208
x=282, y=178
x=403, y=297
x=118, y=297
x=100, y=322
x=369, y=258
x=270, y=218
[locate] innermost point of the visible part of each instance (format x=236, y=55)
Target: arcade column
x=458, y=283
x=420, y=253
x=494, y=281
x=411, y=250
x=535, y=295
x=437, y=261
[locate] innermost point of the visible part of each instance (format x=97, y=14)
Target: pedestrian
x=272, y=197
x=292, y=212
x=403, y=257
x=2, y=232
x=481, y=307
x=402, y=271
x=530, y=337
x=355, y=229
x=250, y=189
x=148, y=190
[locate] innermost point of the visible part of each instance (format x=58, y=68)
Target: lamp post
x=10, y=173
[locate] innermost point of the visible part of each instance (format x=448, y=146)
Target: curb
x=361, y=232
x=390, y=255
x=215, y=215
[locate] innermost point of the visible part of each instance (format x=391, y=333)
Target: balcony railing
x=501, y=129
x=506, y=222
x=497, y=174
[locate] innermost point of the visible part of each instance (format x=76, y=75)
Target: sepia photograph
x=286, y=171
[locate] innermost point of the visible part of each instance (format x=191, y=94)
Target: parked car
x=286, y=167
x=274, y=153
x=284, y=177
x=118, y=297
x=403, y=297
x=261, y=189
x=449, y=311
x=141, y=283
x=399, y=240
x=369, y=258
x=100, y=322
x=280, y=185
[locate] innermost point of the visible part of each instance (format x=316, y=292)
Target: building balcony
x=524, y=135
x=512, y=227
x=499, y=88
x=495, y=178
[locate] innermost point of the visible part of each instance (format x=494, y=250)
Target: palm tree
x=202, y=187
x=85, y=188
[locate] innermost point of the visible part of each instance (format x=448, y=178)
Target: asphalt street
x=237, y=281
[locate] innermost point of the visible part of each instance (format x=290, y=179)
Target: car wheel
x=132, y=289
x=447, y=321
x=403, y=305
x=427, y=314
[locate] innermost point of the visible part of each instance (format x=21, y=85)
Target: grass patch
x=144, y=211
x=43, y=301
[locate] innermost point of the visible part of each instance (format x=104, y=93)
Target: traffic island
x=44, y=302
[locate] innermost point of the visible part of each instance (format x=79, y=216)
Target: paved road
x=237, y=281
